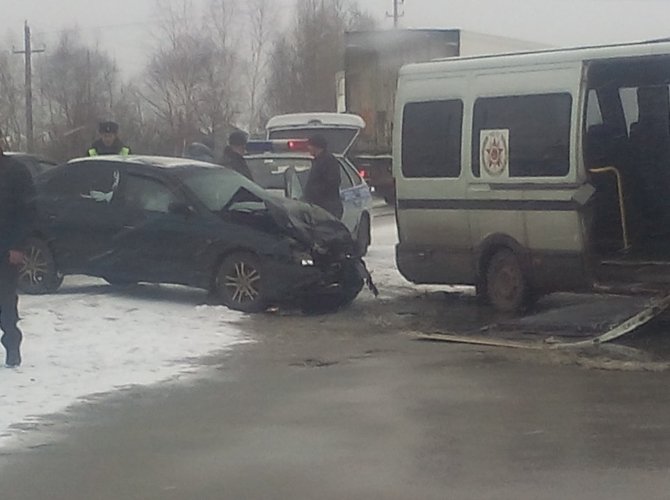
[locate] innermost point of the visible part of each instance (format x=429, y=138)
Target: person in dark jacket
x=323, y=183
x=109, y=142
x=199, y=151
x=17, y=216
x=233, y=155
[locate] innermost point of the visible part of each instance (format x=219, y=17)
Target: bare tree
x=11, y=101
x=261, y=15
x=190, y=84
x=77, y=87
x=306, y=59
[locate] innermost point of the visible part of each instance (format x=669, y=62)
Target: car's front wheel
x=39, y=275
x=239, y=283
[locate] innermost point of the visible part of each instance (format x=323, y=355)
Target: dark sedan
x=36, y=165
x=165, y=220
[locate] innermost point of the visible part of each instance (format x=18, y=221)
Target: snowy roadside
x=92, y=339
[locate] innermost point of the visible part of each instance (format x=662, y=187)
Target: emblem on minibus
x=494, y=151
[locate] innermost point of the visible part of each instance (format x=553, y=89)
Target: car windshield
x=270, y=173
x=215, y=187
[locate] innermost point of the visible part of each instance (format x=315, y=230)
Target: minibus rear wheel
x=507, y=287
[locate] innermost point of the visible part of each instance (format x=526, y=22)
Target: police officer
x=323, y=183
x=233, y=155
x=17, y=215
x=109, y=142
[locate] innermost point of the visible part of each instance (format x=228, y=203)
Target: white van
x=529, y=173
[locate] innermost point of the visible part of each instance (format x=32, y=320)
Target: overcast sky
x=121, y=25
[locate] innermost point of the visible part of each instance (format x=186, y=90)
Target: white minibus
x=529, y=173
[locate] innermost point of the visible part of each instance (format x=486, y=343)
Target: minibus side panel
x=433, y=229
x=530, y=200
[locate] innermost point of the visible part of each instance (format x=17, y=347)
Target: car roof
x=150, y=161
x=284, y=156
x=21, y=154
x=322, y=120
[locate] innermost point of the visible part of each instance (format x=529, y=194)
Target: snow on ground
x=92, y=338
x=380, y=259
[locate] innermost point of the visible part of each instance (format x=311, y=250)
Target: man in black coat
x=233, y=155
x=323, y=183
x=17, y=215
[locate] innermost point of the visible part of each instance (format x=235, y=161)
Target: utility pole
x=28, y=53
x=397, y=12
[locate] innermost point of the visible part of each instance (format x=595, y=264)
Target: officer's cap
x=108, y=128
x=238, y=138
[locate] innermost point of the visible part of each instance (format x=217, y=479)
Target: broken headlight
x=303, y=258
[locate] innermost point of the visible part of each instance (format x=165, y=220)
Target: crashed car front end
x=329, y=273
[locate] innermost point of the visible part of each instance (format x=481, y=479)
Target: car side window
x=86, y=183
x=45, y=166
x=147, y=195
x=345, y=178
x=353, y=173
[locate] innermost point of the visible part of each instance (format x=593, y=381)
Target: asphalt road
x=347, y=406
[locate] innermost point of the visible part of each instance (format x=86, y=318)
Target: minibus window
x=538, y=127
x=593, y=114
x=630, y=108
x=431, y=139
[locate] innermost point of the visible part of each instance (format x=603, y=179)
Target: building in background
x=367, y=87
x=374, y=58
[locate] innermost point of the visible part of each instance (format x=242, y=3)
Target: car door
x=78, y=207
x=160, y=241
x=350, y=200
x=363, y=195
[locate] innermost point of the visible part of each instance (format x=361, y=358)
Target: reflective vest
x=123, y=152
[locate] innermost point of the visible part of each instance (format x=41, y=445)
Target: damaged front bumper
x=307, y=276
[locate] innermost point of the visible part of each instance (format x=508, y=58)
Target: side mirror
x=180, y=208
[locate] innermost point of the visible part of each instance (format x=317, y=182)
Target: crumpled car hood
x=310, y=225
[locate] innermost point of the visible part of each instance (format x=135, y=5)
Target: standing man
x=108, y=143
x=17, y=215
x=323, y=183
x=233, y=155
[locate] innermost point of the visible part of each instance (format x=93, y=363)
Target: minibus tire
x=507, y=287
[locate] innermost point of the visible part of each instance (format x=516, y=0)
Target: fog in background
x=174, y=72
x=124, y=27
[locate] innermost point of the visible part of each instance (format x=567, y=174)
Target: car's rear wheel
x=39, y=275
x=239, y=283
x=363, y=236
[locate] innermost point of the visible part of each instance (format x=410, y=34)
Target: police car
x=282, y=164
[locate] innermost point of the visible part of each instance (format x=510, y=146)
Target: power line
x=397, y=12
